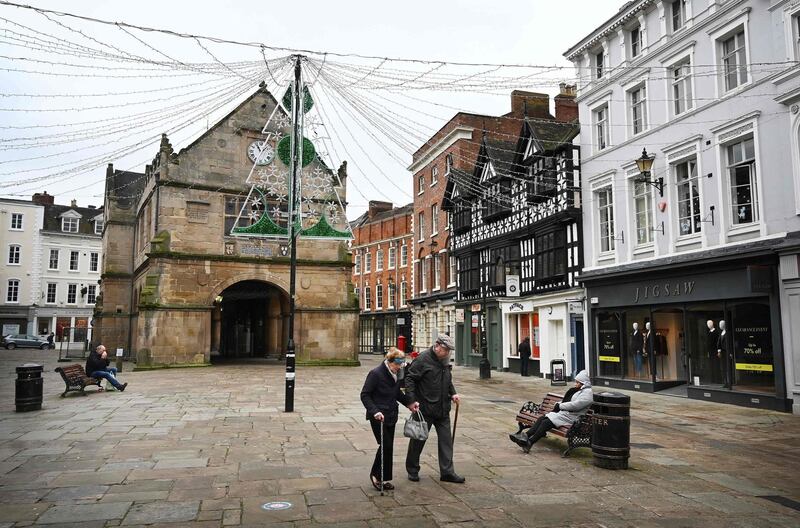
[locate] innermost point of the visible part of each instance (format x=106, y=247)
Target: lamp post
x=645, y=165
x=484, y=367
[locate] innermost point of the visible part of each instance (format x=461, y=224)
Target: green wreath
x=285, y=151
x=308, y=101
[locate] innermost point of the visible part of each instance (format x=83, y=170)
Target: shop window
x=689, y=221
x=609, y=344
x=752, y=346
x=742, y=174
x=666, y=345
x=701, y=342
x=638, y=360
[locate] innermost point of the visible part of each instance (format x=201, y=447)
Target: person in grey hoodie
x=576, y=402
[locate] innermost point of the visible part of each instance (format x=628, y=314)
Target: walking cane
x=381, y=458
x=455, y=423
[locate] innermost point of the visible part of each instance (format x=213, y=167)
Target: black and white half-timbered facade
x=516, y=235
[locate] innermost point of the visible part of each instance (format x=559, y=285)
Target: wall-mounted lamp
x=645, y=164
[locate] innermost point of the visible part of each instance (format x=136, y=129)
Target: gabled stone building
x=178, y=288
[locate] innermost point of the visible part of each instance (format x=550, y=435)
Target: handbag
x=416, y=429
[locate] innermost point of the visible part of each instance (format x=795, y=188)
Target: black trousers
x=539, y=429
x=388, y=447
x=445, y=438
x=523, y=365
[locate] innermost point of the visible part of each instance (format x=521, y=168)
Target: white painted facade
x=667, y=76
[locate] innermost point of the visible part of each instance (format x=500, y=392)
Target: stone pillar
x=216, y=328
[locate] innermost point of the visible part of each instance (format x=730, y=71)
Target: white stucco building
x=711, y=90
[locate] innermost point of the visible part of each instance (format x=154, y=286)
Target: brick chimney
x=531, y=104
x=42, y=198
x=377, y=207
x=74, y=203
x=566, y=107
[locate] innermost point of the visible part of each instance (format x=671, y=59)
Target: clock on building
x=260, y=146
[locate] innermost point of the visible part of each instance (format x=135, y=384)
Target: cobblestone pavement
x=210, y=446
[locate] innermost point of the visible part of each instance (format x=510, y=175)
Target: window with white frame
x=421, y=184
x=392, y=257
x=98, y=226
x=14, y=254
x=72, y=293
x=795, y=35
x=379, y=296
x=91, y=294
x=448, y=219
x=52, y=290
x=601, y=127
x=357, y=265
x=424, y=265
x=605, y=206
x=434, y=219
x=53, y=260
x=682, y=86
x=453, y=270
x=367, y=297
x=12, y=291
x=677, y=13
x=74, y=260
x=437, y=271
x=434, y=175
x=70, y=225
x=392, y=295
x=643, y=212
x=403, y=292
x=636, y=42
x=734, y=59
x=16, y=221
x=688, y=197
x=637, y=99
x=379, y=260
x=357, y=293
x=599, y=59
x=741, y=162
x=94, y=261
x=403, y=256
x=421, y=227
x=367, y=262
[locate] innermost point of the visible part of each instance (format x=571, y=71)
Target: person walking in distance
x=97, y=367
x=429, y=383
x=524, y=350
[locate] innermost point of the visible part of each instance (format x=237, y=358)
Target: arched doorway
x=249, y=320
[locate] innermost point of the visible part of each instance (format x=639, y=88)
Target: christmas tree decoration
x=308, y=101
x=285, y=151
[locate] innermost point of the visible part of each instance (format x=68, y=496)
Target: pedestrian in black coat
x=524, y=350
x=380, y=395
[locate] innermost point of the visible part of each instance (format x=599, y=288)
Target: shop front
x=712, y=335
x=468, y=335
x=379, y=331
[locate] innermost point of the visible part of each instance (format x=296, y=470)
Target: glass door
x=666, y=345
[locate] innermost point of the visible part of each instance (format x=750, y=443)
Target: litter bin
x=611, y=430
x=557, y=369
x=29, y=388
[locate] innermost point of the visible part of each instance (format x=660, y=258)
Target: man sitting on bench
x=576, y=402
x=97, y=367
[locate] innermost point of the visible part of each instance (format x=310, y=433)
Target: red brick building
x=451, y=153
x=382, y=253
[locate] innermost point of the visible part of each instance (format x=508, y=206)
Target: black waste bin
x=29, y=388
x=611, y=430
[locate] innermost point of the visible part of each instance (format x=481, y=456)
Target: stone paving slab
x=207, y=448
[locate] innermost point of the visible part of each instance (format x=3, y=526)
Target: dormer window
x=98, y=226
x=70, y=225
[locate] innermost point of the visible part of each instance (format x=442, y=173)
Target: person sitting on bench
x=576, y=402
x=97, y=367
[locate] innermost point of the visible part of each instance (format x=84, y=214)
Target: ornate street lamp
x=484, y=367
x=645, y=164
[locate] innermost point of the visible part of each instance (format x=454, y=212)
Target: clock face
x=267, y=152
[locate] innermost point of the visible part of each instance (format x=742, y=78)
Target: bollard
x=611, y=430
x=29, y=388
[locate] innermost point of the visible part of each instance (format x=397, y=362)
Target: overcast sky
x=532, y=32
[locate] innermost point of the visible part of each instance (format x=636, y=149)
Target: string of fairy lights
x=371, y=108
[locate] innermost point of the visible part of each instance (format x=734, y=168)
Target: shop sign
x=575, y=307
x=752, y=348
x=475, y=321
x=401, y=321
x=609, y=346
x=475, y=308
x=512, y=285
x=518, y=307
x=10, y=329
x=665, y=289
x=459, y=315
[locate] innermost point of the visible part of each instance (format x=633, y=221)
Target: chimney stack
x=42, y=198
x=74, y=203
x=566, y=106
x=530, y=104
x=377, y=207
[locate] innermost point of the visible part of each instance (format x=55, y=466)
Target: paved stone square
x=210, y=446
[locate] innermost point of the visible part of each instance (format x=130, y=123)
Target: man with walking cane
x=429, y=383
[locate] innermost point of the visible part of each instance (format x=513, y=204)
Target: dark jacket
x=524, y=348
x=381, y=394
x=430, y=383
x=94, y=363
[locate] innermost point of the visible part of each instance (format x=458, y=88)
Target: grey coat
x=577, y=405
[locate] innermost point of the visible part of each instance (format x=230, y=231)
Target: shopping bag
x=416, y=429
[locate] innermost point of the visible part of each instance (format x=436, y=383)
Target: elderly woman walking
x=380, y=395
x=576, y=402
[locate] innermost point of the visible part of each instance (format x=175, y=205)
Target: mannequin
x=649, y=346
x=711, y=349
x=723, y=353
x=637, y=348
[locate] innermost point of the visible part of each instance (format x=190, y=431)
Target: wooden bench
x=76, y=379
x=577, y=435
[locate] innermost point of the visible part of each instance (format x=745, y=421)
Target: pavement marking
x=273, y=506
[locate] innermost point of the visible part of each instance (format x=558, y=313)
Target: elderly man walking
x=430, y=384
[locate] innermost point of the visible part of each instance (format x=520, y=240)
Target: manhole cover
x=280, y=505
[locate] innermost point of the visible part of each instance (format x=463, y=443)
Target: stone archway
x=249, y=320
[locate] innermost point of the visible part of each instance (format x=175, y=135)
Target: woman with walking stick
x=380, y=395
